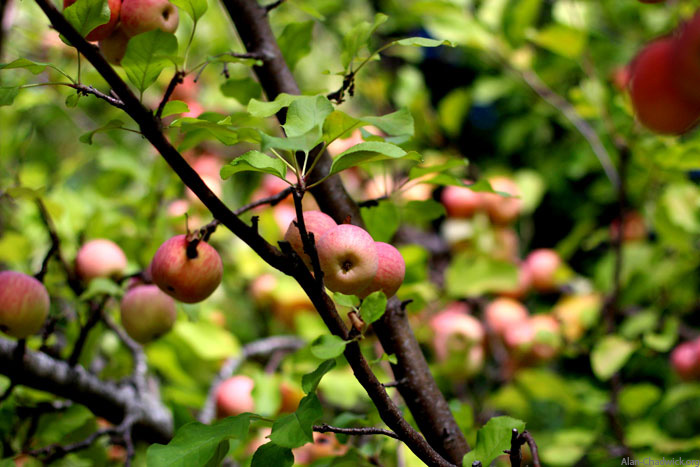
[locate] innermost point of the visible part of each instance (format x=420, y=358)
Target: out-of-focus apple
x=547, y=339
x=460, y=201
x=501, y=209
x=100, y=258
x=324, y=445
x=523, y=287
x=504, y=312
x=543, y=265
x=147, y=313
x=455, y=330
x=234, y=396
x=685, y=359
x=290, y=396
x=24, y=304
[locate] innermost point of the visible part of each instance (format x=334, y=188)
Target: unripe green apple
x=543, y=265
x=101, y=32
x=147, y=313
x=504, y=312
x=316, y=222
x=100, y=258
x=139, y=16
x=234, y=396
x=391, y=269
x=188, y=280
x=348, y=259
x=24, y=304
x=658, y=103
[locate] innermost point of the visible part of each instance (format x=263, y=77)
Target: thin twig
x=177, y=79
x=86, y=90
x=271, y=200
x=137, y=354
x=354, y=431
x=273, y=5
x=533, y=448
x=95, y=315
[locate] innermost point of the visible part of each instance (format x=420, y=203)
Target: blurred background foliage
x=470, y=101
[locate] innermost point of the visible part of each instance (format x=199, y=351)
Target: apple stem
x=192, y=247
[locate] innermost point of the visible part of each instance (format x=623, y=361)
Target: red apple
x=317, y=223
x=543, y=265
x=290, y=396
x=324, y=445
x=504, y=312
x=234, y=396
x=519, y=336
x=24, y=304
x=391, y=269
x=348, y=258
x=147, y=313
x=685, y=360
x=101, y=32
x=455, y=329
x=685, y=61
x=501, y=209
x=658, y=103
x=460, y=201
x=113, y=47
x=139, y=16
x=100, y=258
x=188, y=280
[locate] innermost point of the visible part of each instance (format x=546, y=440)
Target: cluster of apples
x=663, y=81
x=127, y=19
x=461, y=202
x=685, y=359
x=351, y=261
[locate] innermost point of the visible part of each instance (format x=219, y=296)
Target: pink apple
x=504, y=312
x=113, y=47
x=147, y=313
x=100, y=258
x=547, y=336
x=348, y=258
x=543, y=265
x=234, y=396
x=24, y=304
x=139, y=16
x=188, y=280
x=685, y=360
x=455, y=329
x=501, y=209
x=460, y=201
x=317, y=223
x=519, y=335
x=101, y=32
x=391, y=269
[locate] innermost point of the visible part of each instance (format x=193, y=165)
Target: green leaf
x=8, y=94
x=206, y=340
x=373, y=307
x=196, y=443
x=636, y=399
x=382, y=221
x=492, y=439
x=271, y=454
x=562, y=40
x=356, y=39
x=86, y=15
x=101, y=286
x=194, y=8
x=147, y=55
x=305, y=114
x=422, y=211
x=254, y=161
x=219, y=130
x=452, y=164
x=295, y=42
x=34, y=67
x=337, y=124
x=470, y=275
x=345, y=300
x=174, y=107
x=399, y=123
x=243, y=90
x=309, y=382
x=23, y=192
x=111, y=125
x=328, y=346
x=609, y=355
x=305, y=142
x=72, y=100
x=370, y=151
x=296, y=429
x=262, y=109
x=518, y=18
x=423, y=42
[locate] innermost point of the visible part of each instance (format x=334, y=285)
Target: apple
x=341, y=145
x=147, y=313
x=187, y=90
x=685, y=360
x=113, y=47
x=348, y=258
x=547, y=339
x=504, y=312
x=234, y=396
x=543, y=265
x=519, y=336
x=658, y=103
x=100, y=258
x=391, y=269
x=139, y=16
x=284, y=214
x=188, y=280
x=378, y=187
x=324, y=445
x=460, y=201
x=621, y=77
x=501, y=209
x=685, y=62
x=24, y=304
x=455, y=329
x=576, y=313
x=290, y=396
x=316, y=222
x=101, y=32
